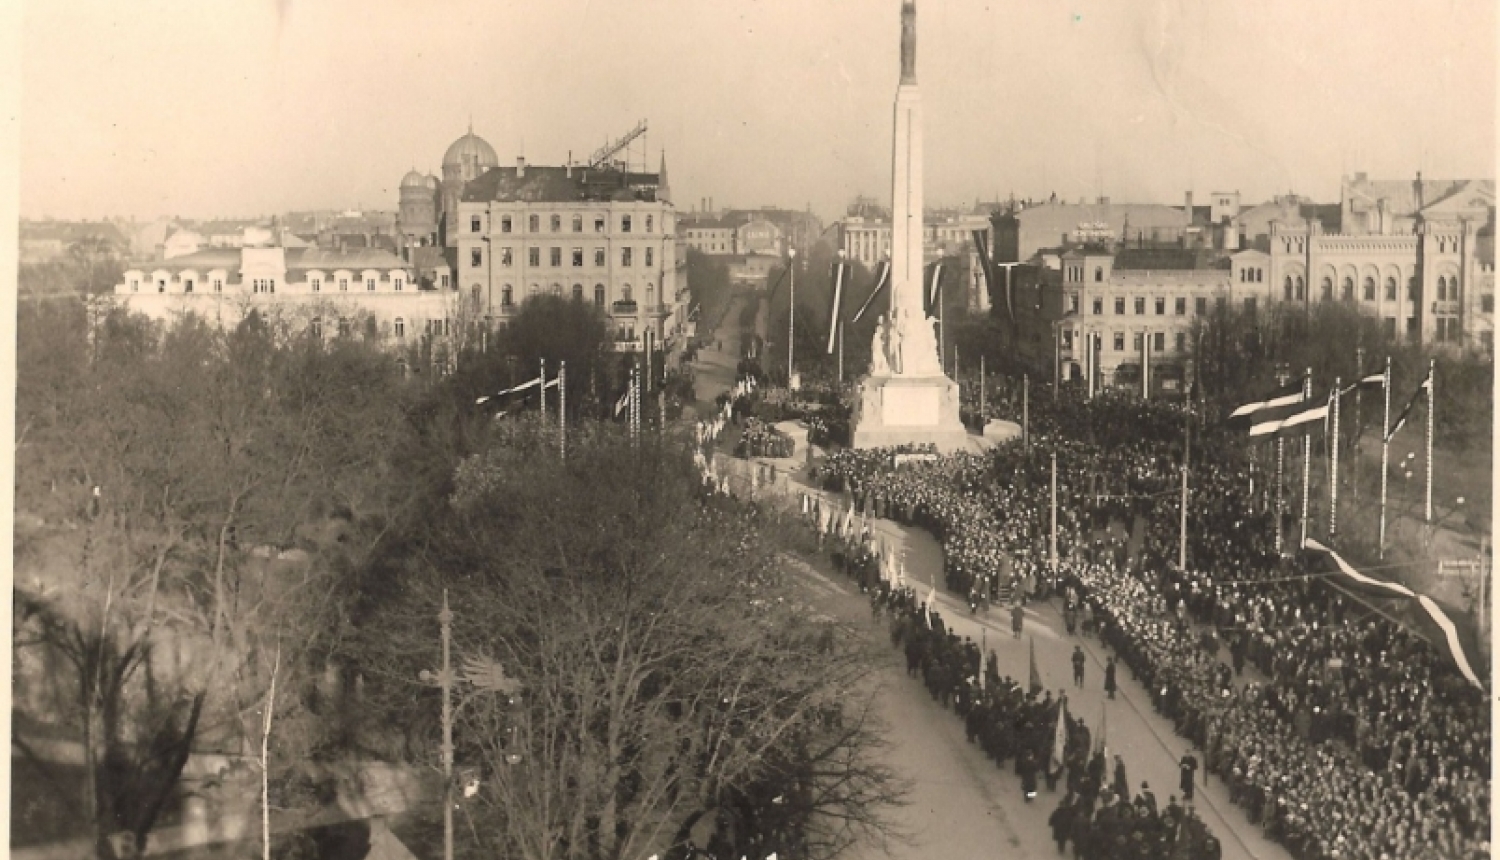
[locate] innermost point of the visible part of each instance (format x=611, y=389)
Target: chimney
x=520, y=166
x=1420, y=204
x=1187, y=202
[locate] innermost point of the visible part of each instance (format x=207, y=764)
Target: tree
x=663, y=682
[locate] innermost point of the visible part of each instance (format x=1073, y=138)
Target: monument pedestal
x=902, y=410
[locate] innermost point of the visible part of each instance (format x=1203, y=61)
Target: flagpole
x=1026, y=410
x=543, y=362
x=1333, y=468
x=1054, y=521
x=1359, y=414
x=1182, y=531
x=1280, y=480
x=562, y=410
x=1056, y=361
x=983, y=415
x=791, y=315
x=1431, y=382
x=1385, y=452
x=1306, y=458
x=840, y=330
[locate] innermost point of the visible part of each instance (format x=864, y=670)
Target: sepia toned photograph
x=757, y=430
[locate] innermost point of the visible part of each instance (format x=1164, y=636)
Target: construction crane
x=610, y=150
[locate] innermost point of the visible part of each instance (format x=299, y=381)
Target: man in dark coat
x=1187, y=768
x=1061, y=821
x=1121, y=784
x=1109, y=677
x=1026, y=765
x=1017, y=616
x=1078, y=660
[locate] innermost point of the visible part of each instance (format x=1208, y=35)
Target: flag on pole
x=1060, y=738
x=927, y=606
x=835, y=315
x=987, y=265
x=1410, y=404
x=1036, y=677
x=1103, y=745
x=1281, y=398
x=512, y=390
x=934, y=288
x=1303, y=420
x=623, y=402
x=882, y=276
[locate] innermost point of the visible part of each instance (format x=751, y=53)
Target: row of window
x=1158, y=341
x=398, y=284
x=555, y=258
x=1179, y=306
x=534, y=223
x=435, y=327
x=1250, y=275
x=508, y=296
x=187, y=285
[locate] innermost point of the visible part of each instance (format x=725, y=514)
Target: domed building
x=417, y=214
x=466, y=160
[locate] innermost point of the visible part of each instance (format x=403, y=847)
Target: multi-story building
x=865, y=237
x=601, y=235
x=710, y=235
x=1419, y=255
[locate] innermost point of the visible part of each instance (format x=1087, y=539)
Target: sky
x=239, y=108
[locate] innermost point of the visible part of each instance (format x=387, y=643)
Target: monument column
x=906, y=177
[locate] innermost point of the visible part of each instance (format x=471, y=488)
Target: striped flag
x=882, y=276
x=1060, y=737
x=1302, y=419
x=623, y=402
x=1410, y=404
x=1285, y=395
x=835, y=315
x=934, y=288
x=987, y=265
x=512, y=390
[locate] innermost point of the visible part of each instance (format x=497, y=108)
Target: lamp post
x=791, y=314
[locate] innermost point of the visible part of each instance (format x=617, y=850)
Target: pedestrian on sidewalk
x=1109, y=677
x=1017, y=617
x=1188, y=767
x=1078, y=660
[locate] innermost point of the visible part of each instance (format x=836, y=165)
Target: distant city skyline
x=169, y=107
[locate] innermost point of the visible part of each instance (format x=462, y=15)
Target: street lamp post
x=791, y=314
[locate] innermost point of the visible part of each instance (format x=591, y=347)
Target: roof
x=428, y=257
x=705, y=224
x=348, y=258
x=1400, y=195
x=414, y=179
x=543, y=184
x=1161, y=259
x=70, y=231
x=470, y=146
x=208, y=258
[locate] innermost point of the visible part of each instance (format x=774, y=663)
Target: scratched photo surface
x=646, y=430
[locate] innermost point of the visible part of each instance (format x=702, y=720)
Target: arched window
x=578, y=292
x=1301, y=289
x=1442, y=289
x=400, y=327
x=599, y=295
x=1348, y=289
x=1390, y=289
x=1327, y=289
x=1098, y=274
x=625, y=293
x=507, y=296
x=555, y=289
x=1286, y=288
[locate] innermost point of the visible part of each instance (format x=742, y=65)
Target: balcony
x=624, y=308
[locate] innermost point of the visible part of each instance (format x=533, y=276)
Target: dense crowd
x=1362, y=742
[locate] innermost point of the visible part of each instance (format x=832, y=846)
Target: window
x=534, y=224
x=1347, y=289
x=648, y=257
x=533, y=290
x=161, y=286
x=1098, y=307
x=1301, y=288
x=1220, y=303
x=1286, y=289
x=343, y=285
x=599, y=295
x=187, y=286
x=1119, y=341
x=650, y=223
x=1120, y=306
x=343, y=326
x=504, y=223
x=1487, y=303
x=1447, y=329
x=556, y=223
x=396, y=283
x=533, y=256
x=370, y=284
x=1200, y=305
x=1327, y=289
x=218, y=285
x=507, y=296
x=1161, y=307
x=1181, y=341
x=577, y=223
x=1411, y=288
x=1098, y=274
x=1390, y=326
x=625, y=293
x=474, y=224
x=316, y=328
x=135, y=285
x=506, y=257
x=598, y=223
x=1073, y=303
x=624, y=223
x=555, y=256
x=1140, y=306
x=577, y=257
x=555, y=289
x=1180, y=306
x=1390, y=289
x=578, y=292
x=1411, y=328
x=1159, y=341
x=400, y=327
x=476, y=257
x=443, y=279
x=1136, y=341
x=650, y=298
x=625, y=256
x=317, y=285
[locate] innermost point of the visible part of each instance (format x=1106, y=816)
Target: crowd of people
x=1361, y=741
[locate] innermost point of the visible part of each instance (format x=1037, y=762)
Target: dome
x=470, y=147
x=413, y=179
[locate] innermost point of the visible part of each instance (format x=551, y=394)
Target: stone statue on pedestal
x=880, y=350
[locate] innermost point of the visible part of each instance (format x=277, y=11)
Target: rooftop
x=544, y=184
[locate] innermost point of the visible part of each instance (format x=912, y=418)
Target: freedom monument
x=907, y=398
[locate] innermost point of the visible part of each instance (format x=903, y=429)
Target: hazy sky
x=243, y=107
